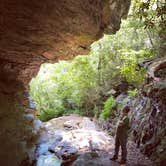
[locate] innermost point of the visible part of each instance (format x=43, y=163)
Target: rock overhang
x=34, y=32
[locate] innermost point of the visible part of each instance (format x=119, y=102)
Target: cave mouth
x=31, y=32
x=82, y=84
x=71, y=86
x=62, y=88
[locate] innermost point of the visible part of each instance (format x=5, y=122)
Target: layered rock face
x=148, y=112
x=34, y=32
x=149, y=115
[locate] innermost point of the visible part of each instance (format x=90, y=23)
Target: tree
x=81, y=85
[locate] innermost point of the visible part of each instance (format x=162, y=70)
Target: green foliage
x=152, y=12
x=133, y=93
x=78, y=86
x=153, y=16
x=76, y=111
x=129, y=70
x=64, y=88
x=108, y=108
x=48, y=114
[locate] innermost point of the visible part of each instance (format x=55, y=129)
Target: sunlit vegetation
x=82, y=85
x=108, y=110
x=133, y=93
x=152, y=14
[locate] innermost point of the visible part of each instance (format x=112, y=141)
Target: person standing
x=122, y=135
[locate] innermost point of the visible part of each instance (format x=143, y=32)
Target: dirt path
x=78, y=141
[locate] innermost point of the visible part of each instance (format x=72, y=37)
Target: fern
x=108, y=105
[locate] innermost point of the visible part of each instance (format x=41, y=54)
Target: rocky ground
x=78, y=141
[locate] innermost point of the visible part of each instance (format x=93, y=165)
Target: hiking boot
x=114, y=158
x=122, y=161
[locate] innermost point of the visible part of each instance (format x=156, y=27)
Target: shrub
x=48, y=114
x=76, y=111
x=108, y=108
x=133, y=93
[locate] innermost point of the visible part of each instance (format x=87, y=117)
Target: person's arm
x=124, y=122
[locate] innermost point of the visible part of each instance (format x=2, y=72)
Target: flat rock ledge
x=78, y=141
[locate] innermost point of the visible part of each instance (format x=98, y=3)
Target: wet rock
x=37, y=125
x=48, y=160
x=29, y=117
x=43, y=148
x=58, y=139
x=31, y=103
x=65, y=151
x=88, y=159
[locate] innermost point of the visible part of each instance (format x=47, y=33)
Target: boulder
x=48, y=160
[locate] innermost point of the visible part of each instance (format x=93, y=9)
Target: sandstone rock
x=149, y=117
x=37, y=125
x=69, y=144
x=81, y=137
x=88, y=124
x=88, y=159
x=66, y=152
x=82, y=146
x=55, y=143
x=71, y=124
x=16, y=136
x=32, y=33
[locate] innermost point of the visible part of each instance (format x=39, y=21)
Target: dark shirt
x=123, y=127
